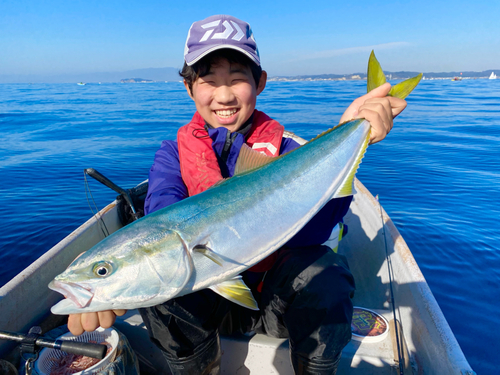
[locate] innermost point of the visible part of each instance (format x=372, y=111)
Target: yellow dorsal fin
x=249, y=159
x=347, y=187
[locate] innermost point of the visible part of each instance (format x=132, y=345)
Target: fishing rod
x=32, y=343
x=389, y=269
x=106, y=181
x=127, y=195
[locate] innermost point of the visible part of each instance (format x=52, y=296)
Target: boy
x=304, y=289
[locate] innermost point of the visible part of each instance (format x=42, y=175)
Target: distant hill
x=136, y=80
x=153, y=74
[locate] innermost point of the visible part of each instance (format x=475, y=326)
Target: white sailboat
x=493, y=75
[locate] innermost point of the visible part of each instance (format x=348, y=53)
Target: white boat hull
x=431, y=346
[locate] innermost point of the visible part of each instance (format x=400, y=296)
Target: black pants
x=306, y=297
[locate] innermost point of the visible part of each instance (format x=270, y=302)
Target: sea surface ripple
x=437, y=174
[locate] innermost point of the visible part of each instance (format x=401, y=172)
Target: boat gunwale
x=419, y=286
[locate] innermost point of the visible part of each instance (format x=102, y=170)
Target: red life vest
x=199, y=166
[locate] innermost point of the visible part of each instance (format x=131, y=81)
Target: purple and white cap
x=217, y=32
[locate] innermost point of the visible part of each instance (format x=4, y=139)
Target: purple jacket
x=166, y=186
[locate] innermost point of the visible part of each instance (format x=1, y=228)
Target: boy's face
x=227, y=95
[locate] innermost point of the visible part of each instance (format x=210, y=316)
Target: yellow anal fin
x=209, y=253
x=249, y=159
x=347, y=187
x=236, y=291
x=375, y=77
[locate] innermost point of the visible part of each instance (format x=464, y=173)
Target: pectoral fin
x=236, y=291
x=209, y=253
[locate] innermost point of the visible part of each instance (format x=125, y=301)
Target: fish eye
x=103, y=269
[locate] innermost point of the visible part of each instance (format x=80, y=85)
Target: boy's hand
x=377, y=108
x=78, y=323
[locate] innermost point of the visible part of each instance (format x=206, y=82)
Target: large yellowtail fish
x=207, y=240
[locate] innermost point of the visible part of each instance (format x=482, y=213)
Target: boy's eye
x=239, y=79
x=208, y=82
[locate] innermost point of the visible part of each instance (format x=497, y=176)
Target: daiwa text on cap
x=217, y=32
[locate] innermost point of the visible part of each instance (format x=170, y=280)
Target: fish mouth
x=76, y=293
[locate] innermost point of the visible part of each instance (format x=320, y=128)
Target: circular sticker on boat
x=367, y=325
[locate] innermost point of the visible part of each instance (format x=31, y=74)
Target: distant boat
x=456, y=79
x=493, y=75
x=81, y=84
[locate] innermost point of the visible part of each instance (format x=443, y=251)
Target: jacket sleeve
x=165, y=181
x=319, y=228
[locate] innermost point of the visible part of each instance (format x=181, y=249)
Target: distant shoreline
x=172, y=75
x=291, y=79
x=389, y=76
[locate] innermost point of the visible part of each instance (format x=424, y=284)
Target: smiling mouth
x=225, y=113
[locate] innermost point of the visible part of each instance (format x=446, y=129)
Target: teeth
x=226, y=112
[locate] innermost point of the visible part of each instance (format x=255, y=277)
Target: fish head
x=124, y=274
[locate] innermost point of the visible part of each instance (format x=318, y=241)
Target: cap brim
x=194, y=57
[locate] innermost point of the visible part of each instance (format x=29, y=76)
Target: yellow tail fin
x=376, y=78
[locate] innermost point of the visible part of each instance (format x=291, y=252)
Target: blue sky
x=294, y=37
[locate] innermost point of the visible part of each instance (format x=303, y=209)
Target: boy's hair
x=202, y=67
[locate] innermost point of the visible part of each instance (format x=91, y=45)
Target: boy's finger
x=393, y=106
x=380, y=119
x=90, y=321
x=379, y=92
x=397, y=105
x=106, y=318
x=75, y=325
x=378, y=133
x=380, y=106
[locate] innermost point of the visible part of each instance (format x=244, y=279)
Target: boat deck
x=260, y=354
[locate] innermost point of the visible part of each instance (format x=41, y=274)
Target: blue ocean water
x=437, y=174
